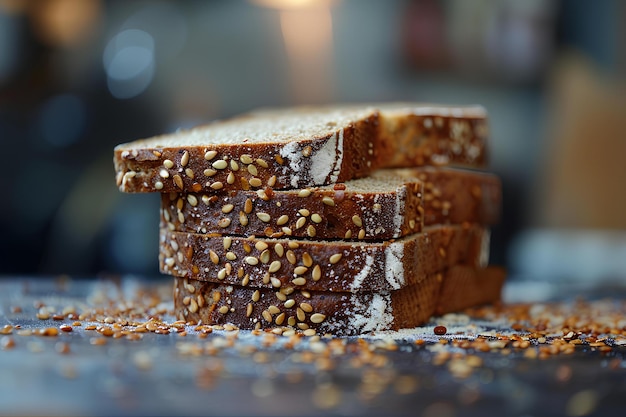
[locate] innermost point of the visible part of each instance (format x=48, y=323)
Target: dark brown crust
x=439, y=196
x=376, y=266
x=378, y=141
x=345, y=314
x=139, y=170
x=466, y=287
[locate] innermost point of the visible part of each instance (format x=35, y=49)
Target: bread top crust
x=302, y=147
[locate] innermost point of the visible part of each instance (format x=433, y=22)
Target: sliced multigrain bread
x=298, y=148
x=282, y=264
x=342, y=314
x=390, y=203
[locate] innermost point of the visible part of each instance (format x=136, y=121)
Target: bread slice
x=390, y=203
x=281, y=264
x=339, y=313
x=300, y=148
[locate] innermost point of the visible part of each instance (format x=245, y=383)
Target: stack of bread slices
x=342, y=220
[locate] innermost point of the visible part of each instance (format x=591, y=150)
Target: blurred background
x=78, y=77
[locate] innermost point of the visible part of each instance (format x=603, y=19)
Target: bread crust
x=339, y=313
x=421, y=197
x=322, y=265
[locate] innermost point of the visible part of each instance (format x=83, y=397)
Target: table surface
x=173, y=375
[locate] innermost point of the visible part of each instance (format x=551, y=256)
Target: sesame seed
x=304, y=212
x=306, y=307
x=300, y=270
x=234, y=165
x=168, y=164
x=307, y=151
x=255, y=182
x=305, y=192
x=286, y=230
x=289, y=303
x=193, y=306
x=348, y=234
x=252, y=170
x=307, y=260
x=317, y=273
x=300, y=222
x=217, y=185
x=192, y=200
x=335, y=258
x=213, y=256
x=227, y=242
x=230, y=179
x=184, y=160
x=164, y=174
x=264, y=217
x=291, y=321
x=300, y=314
x=281, y=296
x=221, y=274
x=279, y=249
x=209, y=172
x=282, y=220
x=224, y=309
x=318, y=318
x=219, y=164
x=158, y=185
x=267, y=316
x=412, y=224
x=227, y=208
x=246, y=159
x=280, y=318
x=246, y=280
x=251, y=260
x=224, y=223
x=265, y=256
x=262, y=195
x=293, y=245
x=271, y=181
x=256, y=295
x=361, y=234
x=357, y=220
x=243, y=219
x=261, y=163
x=210, y=155
x=249, y=310
x=275, y=282
x=328, y=201
x=231, y=256
x=311, y=231
x=291, y=257
x=247, y=207
x=273, y=310
x=309, y=332
x=299, y=281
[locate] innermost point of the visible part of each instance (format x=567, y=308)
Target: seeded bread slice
x=390, y=203
x=286, y=149
x=298, y=148
x=342, y=314
x=322, y=265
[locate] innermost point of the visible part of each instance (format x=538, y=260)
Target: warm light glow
x=65, y=22
x=308, y=36
x=293, y=4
